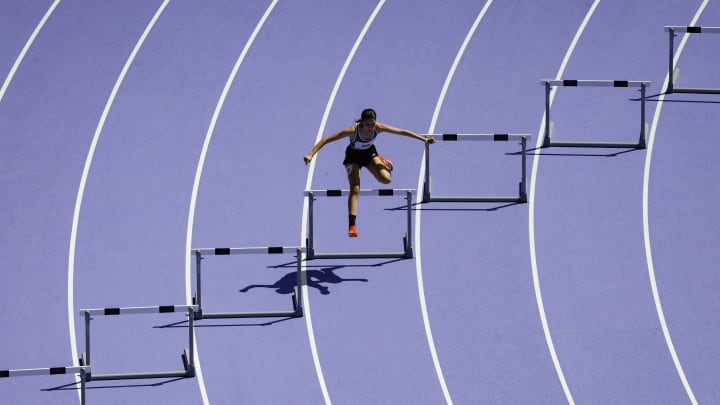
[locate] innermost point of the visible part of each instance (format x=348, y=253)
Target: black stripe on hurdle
x=222, y=251
x=333, y=193
x=111, y=311
x=501, y=137
x=4, y=373
x=449, y=137
x=163, y=309
x=275, y=250
x=57, y=370
x=694, y=30
x=620, y=83
x=570, y=82
x=386, y=191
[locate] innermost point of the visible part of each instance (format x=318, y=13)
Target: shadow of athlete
x=315, y=279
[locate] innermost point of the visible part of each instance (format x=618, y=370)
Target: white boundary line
x=646, y=220
x=418, y=216
x=196, y=185
x=308, y=186
x=531, y=217
x=83, y=182
x=27, y=46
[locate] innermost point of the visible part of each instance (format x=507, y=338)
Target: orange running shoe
x=353, y=233
x=388, y=164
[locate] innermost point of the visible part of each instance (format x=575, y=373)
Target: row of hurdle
x=195, y=311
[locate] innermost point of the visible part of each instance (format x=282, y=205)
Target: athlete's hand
x=430, y=140
x=307, y=158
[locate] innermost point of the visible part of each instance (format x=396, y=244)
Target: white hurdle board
x=550, y=84
x=83, y=371
x=674, y=73
x=522, y=192
x=187, y=355
x=297, y=310
x=406, y=253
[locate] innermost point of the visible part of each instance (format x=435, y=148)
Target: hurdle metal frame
x=673, y=74
x=549, y=84
x=406, y=253
x=188, y=355
x=297, y=310
x=84, y=371
x=522, y=189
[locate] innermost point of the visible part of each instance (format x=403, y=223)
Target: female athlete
x=361, y=152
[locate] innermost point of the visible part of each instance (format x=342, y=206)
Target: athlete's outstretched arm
x=330, y=138
x=399, y=131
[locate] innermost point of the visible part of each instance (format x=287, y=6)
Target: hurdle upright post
x=671, y=74
x=198, y=284
x=523, y=176
x=408, y=237
x=299, y=301
x=86, y=358
x=190, y=355
x=546, y=137
x=83, y=376
x=643, y=125
x=426, y=186
x=309, y=240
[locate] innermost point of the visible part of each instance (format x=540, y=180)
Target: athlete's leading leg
x=353, y=172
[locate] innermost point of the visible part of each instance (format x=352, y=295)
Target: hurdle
x=673, y=74
x=297, y=310
x=84, y=371
x=187, y=355
x=549, y=84
x=522, y=189
x=406, y=253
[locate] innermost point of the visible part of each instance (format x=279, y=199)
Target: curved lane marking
x=308, y=185
x=27, y=46
x=531, y=217
x=83, y=182
x=646, y=220
x=418, y=260
x=196, y=186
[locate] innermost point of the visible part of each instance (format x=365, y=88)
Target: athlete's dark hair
x=367, y=114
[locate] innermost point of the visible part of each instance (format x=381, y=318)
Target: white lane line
x=196, y=185
x=531, y=217
x=646, y=220
x=83, y=182
x=308, y=186
x=418, y=213
x=27, y=46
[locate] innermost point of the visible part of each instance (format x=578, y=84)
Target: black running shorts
x=361, y=157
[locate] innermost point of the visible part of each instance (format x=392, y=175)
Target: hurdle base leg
x=363, y=255
x=691, y=90
x=189, y=371
x=580, y=144
x=297, y=312
x=141, y=376
x=406, y=254
x=268, y=314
